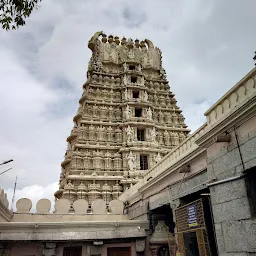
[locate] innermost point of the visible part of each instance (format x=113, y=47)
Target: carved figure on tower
x=126, y=94
x=153, y=134
x=157, y=157
x=145, y=96
x=129, y=133
x=125, y=67
x=125, y=80
x=149, y=113
x=127, y=112
x=131, y=161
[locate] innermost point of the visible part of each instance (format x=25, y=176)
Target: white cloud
x=206, y=50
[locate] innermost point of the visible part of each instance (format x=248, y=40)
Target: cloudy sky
x=207, y=47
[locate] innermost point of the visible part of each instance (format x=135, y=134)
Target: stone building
x=192, y=195
x=126, y=122
x=204, y=190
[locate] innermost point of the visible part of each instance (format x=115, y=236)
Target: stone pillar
x=140, y=245
x=49, y=249
x=95, y=250
x=175, y=204
x=233, y=217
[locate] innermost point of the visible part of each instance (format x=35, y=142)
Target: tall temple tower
x=126, y=122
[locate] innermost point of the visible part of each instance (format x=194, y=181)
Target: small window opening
x=251, y=189
x=131, y=67
x=143, y=162
x=138, y=112
x=141, y=134
x=135, y=94
x=72, y=251
x=133, y=79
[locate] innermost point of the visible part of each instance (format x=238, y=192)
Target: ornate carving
x=94, y=39
x=157, y=158
x=126, y=96
x=129, y=133
x=166, y=138
x=149, y=113
x=149, y=43
x=131, y=161
x=145, y=96
x=127, y=112
x=104, y=117
x=153, y=134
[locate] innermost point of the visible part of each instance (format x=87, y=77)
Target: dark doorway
x=119, y=251
x=208, y=217
x=143, y=162
x=141, y=134
x=133, y=79
x=190, y=242
x=138, y=112
x=135, y=94
x=72, y=251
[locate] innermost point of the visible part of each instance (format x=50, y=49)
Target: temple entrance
x=119, y=251
x=191, y=244
x=195, y=228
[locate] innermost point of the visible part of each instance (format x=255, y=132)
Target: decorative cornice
x=82, y=230
x=91, y=177
x=135, y=198
x=235, y=118
x=233, y=89
x=73, y=224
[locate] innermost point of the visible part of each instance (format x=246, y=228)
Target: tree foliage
x=14, y=12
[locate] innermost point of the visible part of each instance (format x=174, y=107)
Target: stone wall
x=138, y=210
x=234, y=223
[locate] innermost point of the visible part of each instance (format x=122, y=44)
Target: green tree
x=14, y=12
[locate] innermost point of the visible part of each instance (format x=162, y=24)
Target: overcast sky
x=207, y=47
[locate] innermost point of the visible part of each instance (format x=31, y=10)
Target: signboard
x=192, y=220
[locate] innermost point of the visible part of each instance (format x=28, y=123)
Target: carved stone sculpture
x=149, y=113
x=102, y=143
x=153, y=134
x=145, y=96
x=131, y=161
x=127, y=112
x=129, y=133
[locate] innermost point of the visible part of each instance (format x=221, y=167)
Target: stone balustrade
x=64, y=206
x=236, y=96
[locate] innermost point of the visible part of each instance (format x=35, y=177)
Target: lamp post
x=6, y=162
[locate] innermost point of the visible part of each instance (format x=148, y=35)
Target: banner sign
x=192, y=221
